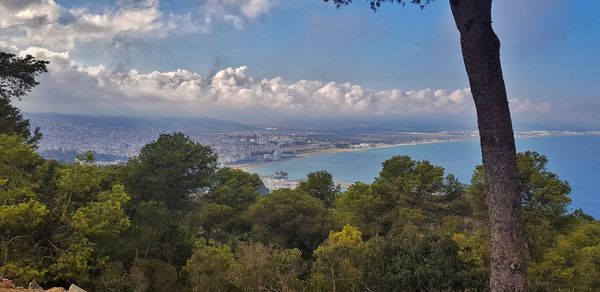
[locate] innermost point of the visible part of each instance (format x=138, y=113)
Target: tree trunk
x=481, y=54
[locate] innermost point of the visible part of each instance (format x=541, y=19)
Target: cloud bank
x=231, y=92
x=48, y=24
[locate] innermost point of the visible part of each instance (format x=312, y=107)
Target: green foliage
x=413, y=183
x=158, y=233
x=265, y=268
x=17, y=75
x=215, y=219
x=22, y=213
x=170, y=170
x=476, y=194
x=431, y=263
x=112, y=278
x=360, y=206
x=78, y=184
x=73, y=264
x=320, y=185
x=86, y=157
x=290, y=219
x=474, y=248
x=408, y=196
x=542, y=191
x=25, y=215
x=544, y=198
x=573, y=263
x=235, y=188
x=12, y=122
x=209, y=268
x=17, y=78
x=338, y=264
x=18, y=169
x=55, y=218
x=153, y=276
x=105, y=216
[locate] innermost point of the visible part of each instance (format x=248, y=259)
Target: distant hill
x=114, y=138
x=199, y=124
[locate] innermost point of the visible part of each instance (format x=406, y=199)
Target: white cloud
x=74, y=87
x=235, y=12
x=48, y=24
x=520, y=105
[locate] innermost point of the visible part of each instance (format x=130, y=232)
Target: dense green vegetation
x=170, y=220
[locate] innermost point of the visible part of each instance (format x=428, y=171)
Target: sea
x=575, y=159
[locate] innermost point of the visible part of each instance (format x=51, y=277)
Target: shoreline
x=316, y=152
x=332, y=150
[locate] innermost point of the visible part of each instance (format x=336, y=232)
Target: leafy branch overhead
x=375, y=4
x=17, y=75
x=17, y=78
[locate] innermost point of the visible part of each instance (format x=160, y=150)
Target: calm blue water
x=574, y=158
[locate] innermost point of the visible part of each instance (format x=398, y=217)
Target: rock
x=6, y=283
x=33, y=285
x=56, y=289
x=74, y=288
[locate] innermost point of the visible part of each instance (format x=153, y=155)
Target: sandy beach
x=331, y=150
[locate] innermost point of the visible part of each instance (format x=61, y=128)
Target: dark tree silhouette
x=481, y=55
x=17, y=78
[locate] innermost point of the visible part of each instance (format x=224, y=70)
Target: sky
x=273, y=60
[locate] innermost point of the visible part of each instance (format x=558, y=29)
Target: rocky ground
x=7, y=285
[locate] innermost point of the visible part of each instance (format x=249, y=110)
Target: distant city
x=116, y=139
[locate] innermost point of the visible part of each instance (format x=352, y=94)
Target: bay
x=575, y=159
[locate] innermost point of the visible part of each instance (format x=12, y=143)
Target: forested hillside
x=169, y=220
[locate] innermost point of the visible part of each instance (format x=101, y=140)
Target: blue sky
x=550, y=53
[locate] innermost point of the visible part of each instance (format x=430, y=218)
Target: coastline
x=332, y=150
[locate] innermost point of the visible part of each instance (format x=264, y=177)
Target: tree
x=153, y=275
x=78, y=184
x=112, y=278
x=544, y=199
x=415, y=196
x=214, y=219
x=414, y=184
x=432, y=263
x=266, y=268
x=360, y=206
x=22, y=212
x=338, y=262
x=573, y=263
x=320, y=185
x=56, y=234
x=291, y=219
x=17, y=78
x=170, y=170
x=164, y=181
x=481, y=55
x=104, y=216
x=235, y=188
x=209, y=268
x=157, y=233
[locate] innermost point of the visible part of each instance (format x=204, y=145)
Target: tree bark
x=481, y=54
